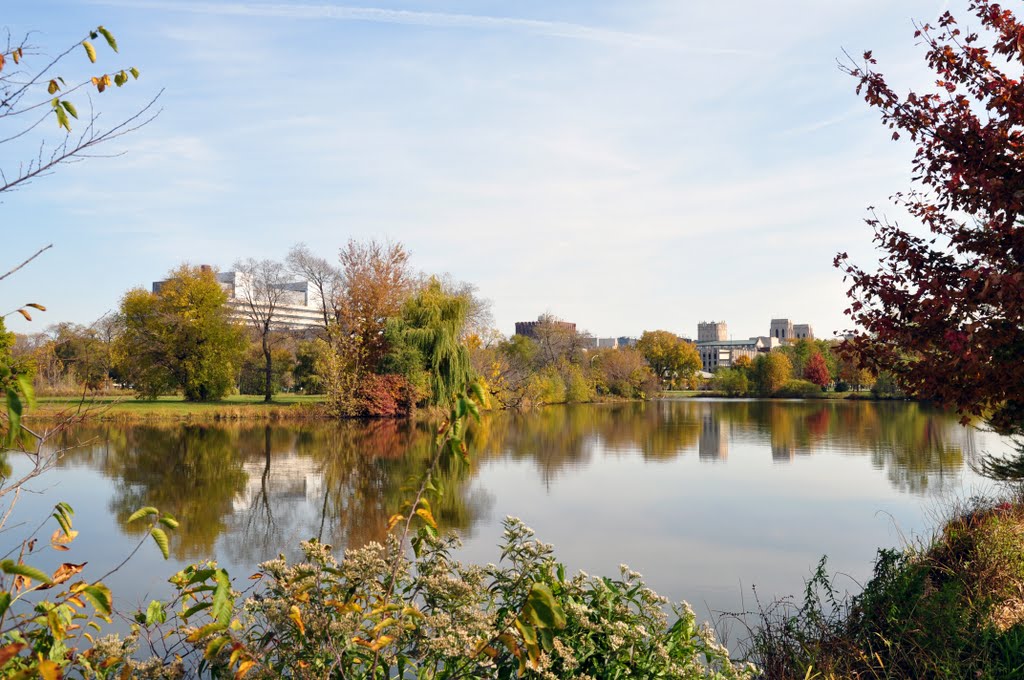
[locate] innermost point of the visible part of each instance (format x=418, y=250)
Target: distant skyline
x=625, y=166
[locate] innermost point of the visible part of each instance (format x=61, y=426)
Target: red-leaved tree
x=944, y=311
x=817, y=370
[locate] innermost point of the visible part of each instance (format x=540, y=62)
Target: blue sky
x=624, y=165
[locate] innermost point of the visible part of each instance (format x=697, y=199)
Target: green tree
x=181, y=337
x=671, y=358
x=431, y=326
x=732, y=381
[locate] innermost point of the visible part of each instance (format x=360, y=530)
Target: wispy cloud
x=558, y=29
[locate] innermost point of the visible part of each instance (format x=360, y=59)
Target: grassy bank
x=127, y=409
x=952, y=607
x=691, y=394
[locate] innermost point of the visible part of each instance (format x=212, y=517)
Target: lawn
x=176, y=408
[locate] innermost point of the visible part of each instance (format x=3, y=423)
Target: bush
x=384, y=396
x=842, y=386
x=799, y=389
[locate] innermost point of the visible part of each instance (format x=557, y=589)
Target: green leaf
x=100, y=597
x=195, y=609
x=155, y=613
x=135, y=72
x=160, y=538
x=13, y=414
x=89, y=50
x=70, y=108
x=27, y=391
x=169, y=522
x=62, y=119
x=223, y=602
x=12, y=567
x=109, y=38
x=5, y=602
x=542, y=608
x=143, y=512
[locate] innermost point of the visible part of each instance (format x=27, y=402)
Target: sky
x=627, y=166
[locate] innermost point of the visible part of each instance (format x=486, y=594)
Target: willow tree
x=431, y=325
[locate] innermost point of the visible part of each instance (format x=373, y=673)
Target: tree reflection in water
x=258, y=490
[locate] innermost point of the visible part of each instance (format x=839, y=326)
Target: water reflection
x=258, y=490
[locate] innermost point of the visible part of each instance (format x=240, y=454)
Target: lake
x=706, y=498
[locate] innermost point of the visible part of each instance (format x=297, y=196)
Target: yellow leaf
x=393, y=520
x=244, y=668
x=89, y=50
x=28, y=317
x=295, y=615
x=48, y=670
x=427, y=516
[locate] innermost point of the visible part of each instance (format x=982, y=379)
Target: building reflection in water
x=713, y=445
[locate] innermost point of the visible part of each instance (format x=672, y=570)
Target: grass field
x=237, y=407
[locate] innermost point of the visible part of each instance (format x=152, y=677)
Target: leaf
x=160, y=538
x=89, y=50
x=100, y=597
x=108, y=37
x=135, y=72
x=427, y=517
x=10, y=651
x=244, y=668
x=143, y=512
x=60, y=539
x=36, y=305
x=204, y=631
x=63, y=573
x=155, y=613
x=195, y=609
x=70, y=108
x=52, y=87
x=393, y=520
x=295, y=615
x=169, y=522
x=64, y=124
x=5, y=602
x=543, y=609
x=223, y=603
x=48, y=670
x=11, y=567
x=14, y=409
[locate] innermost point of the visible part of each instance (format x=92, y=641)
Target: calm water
x=705, y=498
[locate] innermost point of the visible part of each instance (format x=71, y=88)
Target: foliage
x=885, y=386
x=262, y=290
x=817, y=371
x=732, y=381
x=308, y=355
x=384, y=396
x=770, y=372
x=624, y=373
x=375, y=282
x=798, y=389
x=951, y=609
x=672, y=359
x=252, y=374
x=180, y=337
x=427, y=337
x=942, y=313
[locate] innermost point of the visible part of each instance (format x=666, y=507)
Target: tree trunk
x=268, y=392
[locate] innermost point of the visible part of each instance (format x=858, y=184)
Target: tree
x=770, y=372
x=732, y=381
x=181, y=337
x=432, y=324
x=557, y=340
x=263, y=290
x=671, y=358
x=325, y=278
x=944, y=311
x=817, y=371
x=376, y=280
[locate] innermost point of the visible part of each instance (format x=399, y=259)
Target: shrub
x=384, y=396
x=842, y=386
x=799, y=389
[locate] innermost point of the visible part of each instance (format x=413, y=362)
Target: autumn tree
x=376, y=280
x=180, y=338
x=770, y=372
x=671, y=358
x=816, y=371
x=944, y=310
x=263, y=289
x=557, y=340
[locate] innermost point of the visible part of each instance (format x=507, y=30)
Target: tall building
x=784, y=329
x=712, y=331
